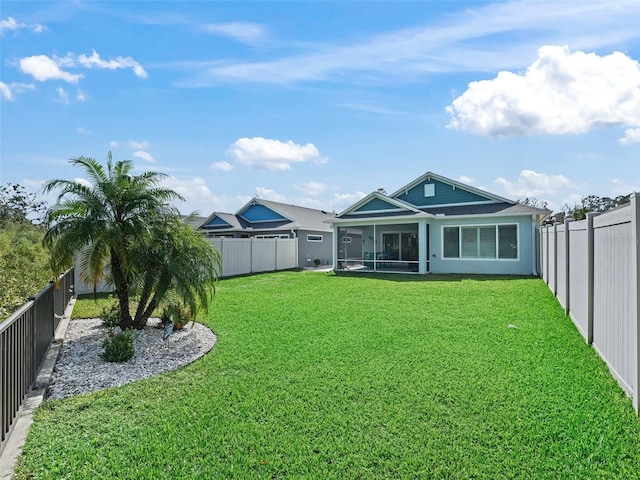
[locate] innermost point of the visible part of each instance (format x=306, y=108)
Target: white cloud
x=94, y=61
x=11, y=24
x=63, y=96
x=81, y=96
x=198, y=197
x=83, y=181
x=631, y=135
x=224, y=166
x=83, y=131
x=244, y=32
x=620, y=187
x=143, y=155
x=114, y=144
x=343, y=200
x=267, y=154
x=465, y=179
x=543, y=186
x=138, y=145
x=312, y=188
x=560, y=93
x=9, y=91
x=268, y=194
x=43, y=68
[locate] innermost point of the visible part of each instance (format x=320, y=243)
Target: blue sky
x=320, y=103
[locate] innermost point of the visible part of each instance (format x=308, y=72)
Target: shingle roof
x=487, y=208
x=297, y=218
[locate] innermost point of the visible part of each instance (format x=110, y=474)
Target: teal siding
x=260, y=213
x=217, y=222
x=376, y=204
x=445, y=194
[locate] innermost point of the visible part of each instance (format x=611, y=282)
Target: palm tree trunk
x=122, y=291
x=141, y=317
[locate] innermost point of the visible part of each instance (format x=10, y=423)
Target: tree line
x=590, y=203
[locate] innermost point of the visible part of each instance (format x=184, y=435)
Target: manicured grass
x=323, y=376
x=90, y=305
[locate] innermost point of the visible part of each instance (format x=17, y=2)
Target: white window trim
x=318, y=239
x=476, y=259
x=272, y=236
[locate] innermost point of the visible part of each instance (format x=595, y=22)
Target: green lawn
x=323, y=376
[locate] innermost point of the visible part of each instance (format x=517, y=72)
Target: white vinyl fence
x=241, y=256
x=593, y=268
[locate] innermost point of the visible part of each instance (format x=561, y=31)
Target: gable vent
x=429, y=189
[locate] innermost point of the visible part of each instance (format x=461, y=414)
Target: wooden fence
x=593, y=268
x=24, y=339
x=241, y=256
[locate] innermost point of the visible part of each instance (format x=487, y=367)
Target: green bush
x=24, y=265
x=110, y=315
x=118, y=346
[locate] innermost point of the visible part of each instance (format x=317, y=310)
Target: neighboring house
x=435, y=224
x=266, y=219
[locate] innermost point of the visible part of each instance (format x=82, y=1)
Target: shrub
x=179, y=314
x=118, y=346
x=110, y=315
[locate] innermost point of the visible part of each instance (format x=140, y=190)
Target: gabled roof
x=430, y=175
x=287, y=217
x=395, y=205
x=193, y=220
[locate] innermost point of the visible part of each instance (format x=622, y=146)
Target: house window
x=482, y=242
x=429, y=189
x=314, y=238
x=281, y=235
x=346, y=239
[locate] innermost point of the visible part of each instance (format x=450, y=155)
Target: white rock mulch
x=80, y=369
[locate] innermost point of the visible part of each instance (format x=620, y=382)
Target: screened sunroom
x=383, y=247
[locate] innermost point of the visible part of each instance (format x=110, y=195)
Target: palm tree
x=176, y=265
x=104, y=221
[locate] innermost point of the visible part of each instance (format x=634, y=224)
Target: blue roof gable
x=433, y=192
x=217, y=222
x=260, y=213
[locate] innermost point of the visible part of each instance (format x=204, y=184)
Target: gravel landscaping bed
x=80, y=369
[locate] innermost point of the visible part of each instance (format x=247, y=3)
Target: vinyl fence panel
x=551, y=274
x=241, y=256
x=544, y=252
x=561, y=262
x=263, y=255
x=579, y=275
x=287, y=253
x=614, y=327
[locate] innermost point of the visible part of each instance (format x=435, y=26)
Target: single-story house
x=260, y=218
x=435, y=224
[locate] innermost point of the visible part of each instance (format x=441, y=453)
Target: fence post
x=590, y=276
x=635, y=293
x=567, y=266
